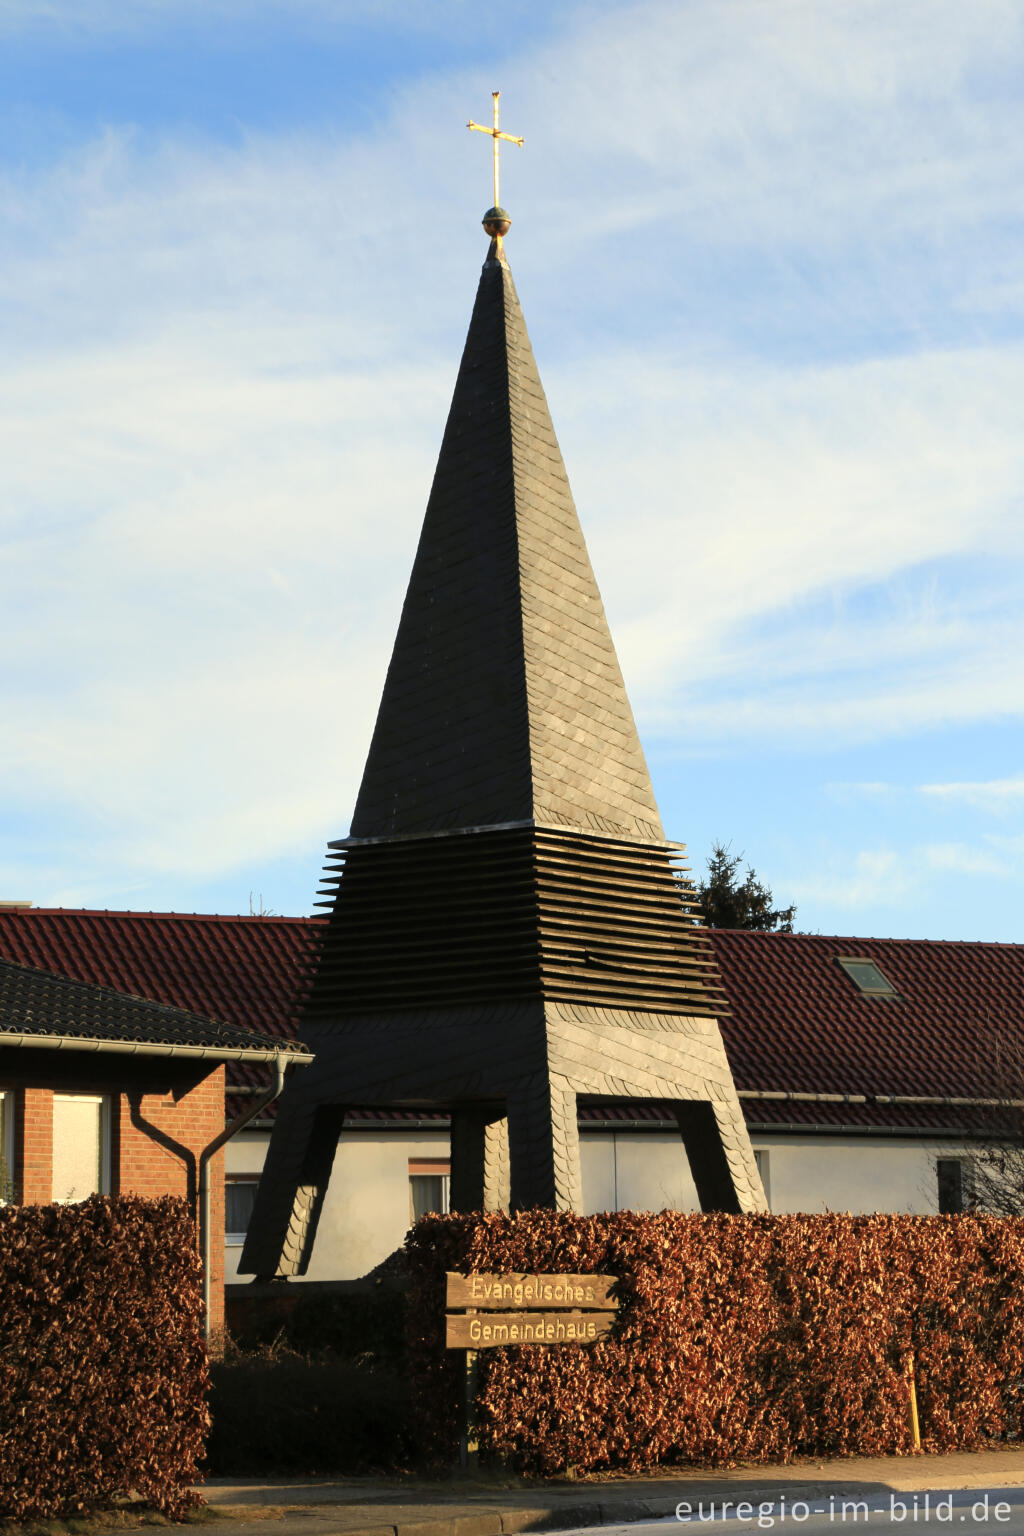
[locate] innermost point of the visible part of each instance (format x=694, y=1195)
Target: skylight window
x=867, y=976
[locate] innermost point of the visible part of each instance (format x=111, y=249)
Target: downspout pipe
x=282, y=1062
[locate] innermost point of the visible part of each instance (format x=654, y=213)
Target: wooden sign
x=510, y=1293
x=488, y=1330
x=494, y=1314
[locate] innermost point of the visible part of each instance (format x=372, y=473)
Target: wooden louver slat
x=514, y=913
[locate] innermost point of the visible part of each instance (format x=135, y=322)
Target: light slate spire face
x=504, y=700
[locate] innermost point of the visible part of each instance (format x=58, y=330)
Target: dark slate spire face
x=504, y=701
x=550, y=952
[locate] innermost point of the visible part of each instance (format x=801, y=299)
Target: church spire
x=508, y=931
x=504, y=701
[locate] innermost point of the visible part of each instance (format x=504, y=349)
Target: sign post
x=497, y=1311
x=467, y=1438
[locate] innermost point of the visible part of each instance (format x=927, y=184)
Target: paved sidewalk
x=479, y=1505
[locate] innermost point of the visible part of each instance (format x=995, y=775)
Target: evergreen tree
x=728, y=902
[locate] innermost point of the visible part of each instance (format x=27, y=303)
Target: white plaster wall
x=246, y=1152
x=854, y=1173
x=597, y=1166
x=635, y=1171
x=644, y=1172
x=366, y=1212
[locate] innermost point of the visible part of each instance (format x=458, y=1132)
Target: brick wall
x=160, y=1122
x=158, y=1138
x=33, y=1146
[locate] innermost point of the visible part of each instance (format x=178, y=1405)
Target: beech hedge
x=103, y=1369
x=753, y=1337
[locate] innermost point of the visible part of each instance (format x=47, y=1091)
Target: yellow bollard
x=915, y=1423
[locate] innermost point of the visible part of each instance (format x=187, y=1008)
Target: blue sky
x=769, y=253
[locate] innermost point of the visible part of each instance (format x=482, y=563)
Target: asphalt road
x=989, y=1510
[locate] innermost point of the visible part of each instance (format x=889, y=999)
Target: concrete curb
x=513, y=1522
x=334, y=1509
x=427, y=1518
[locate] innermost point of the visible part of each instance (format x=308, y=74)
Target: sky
x=769, y=256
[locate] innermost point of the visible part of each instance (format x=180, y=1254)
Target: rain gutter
x=936, y=1101
x=147, y=1048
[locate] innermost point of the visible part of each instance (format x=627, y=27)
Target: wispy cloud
x=889, y=879
x=872, y=878
x=963, y=859
x=822, y=591
x=995, y=795
x=765, y=308
x=874, y=790
x=135, y=16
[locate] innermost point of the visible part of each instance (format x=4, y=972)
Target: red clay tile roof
x=799, y=1023
x=245, y=971
x=241, y=970
x=772, y=1114
x=793, y=1115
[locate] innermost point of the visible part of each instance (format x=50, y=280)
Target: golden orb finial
x=496, y=222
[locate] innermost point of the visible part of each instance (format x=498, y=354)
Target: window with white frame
x=6, y=1146
x=429, y=1186
x=81, y=1146
x=239, y=1200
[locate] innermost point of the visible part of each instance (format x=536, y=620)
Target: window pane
x=429, y=1193
x=868, y=977
x=77, y=1146
x=951, y=1185
x=239, y=1199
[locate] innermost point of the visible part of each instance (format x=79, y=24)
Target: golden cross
x=496, y=135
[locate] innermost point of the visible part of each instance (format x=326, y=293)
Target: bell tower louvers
x=508, y=926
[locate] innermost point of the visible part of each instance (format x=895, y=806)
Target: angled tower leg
x=480, y=1162
x=544, y=1144
x=292, y=1188
x=739, y=1155
x=497, y=1191
x=716, y=1143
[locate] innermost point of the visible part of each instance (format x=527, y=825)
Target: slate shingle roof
x=504, y=701
x=39, y=1004
x=242, y=970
